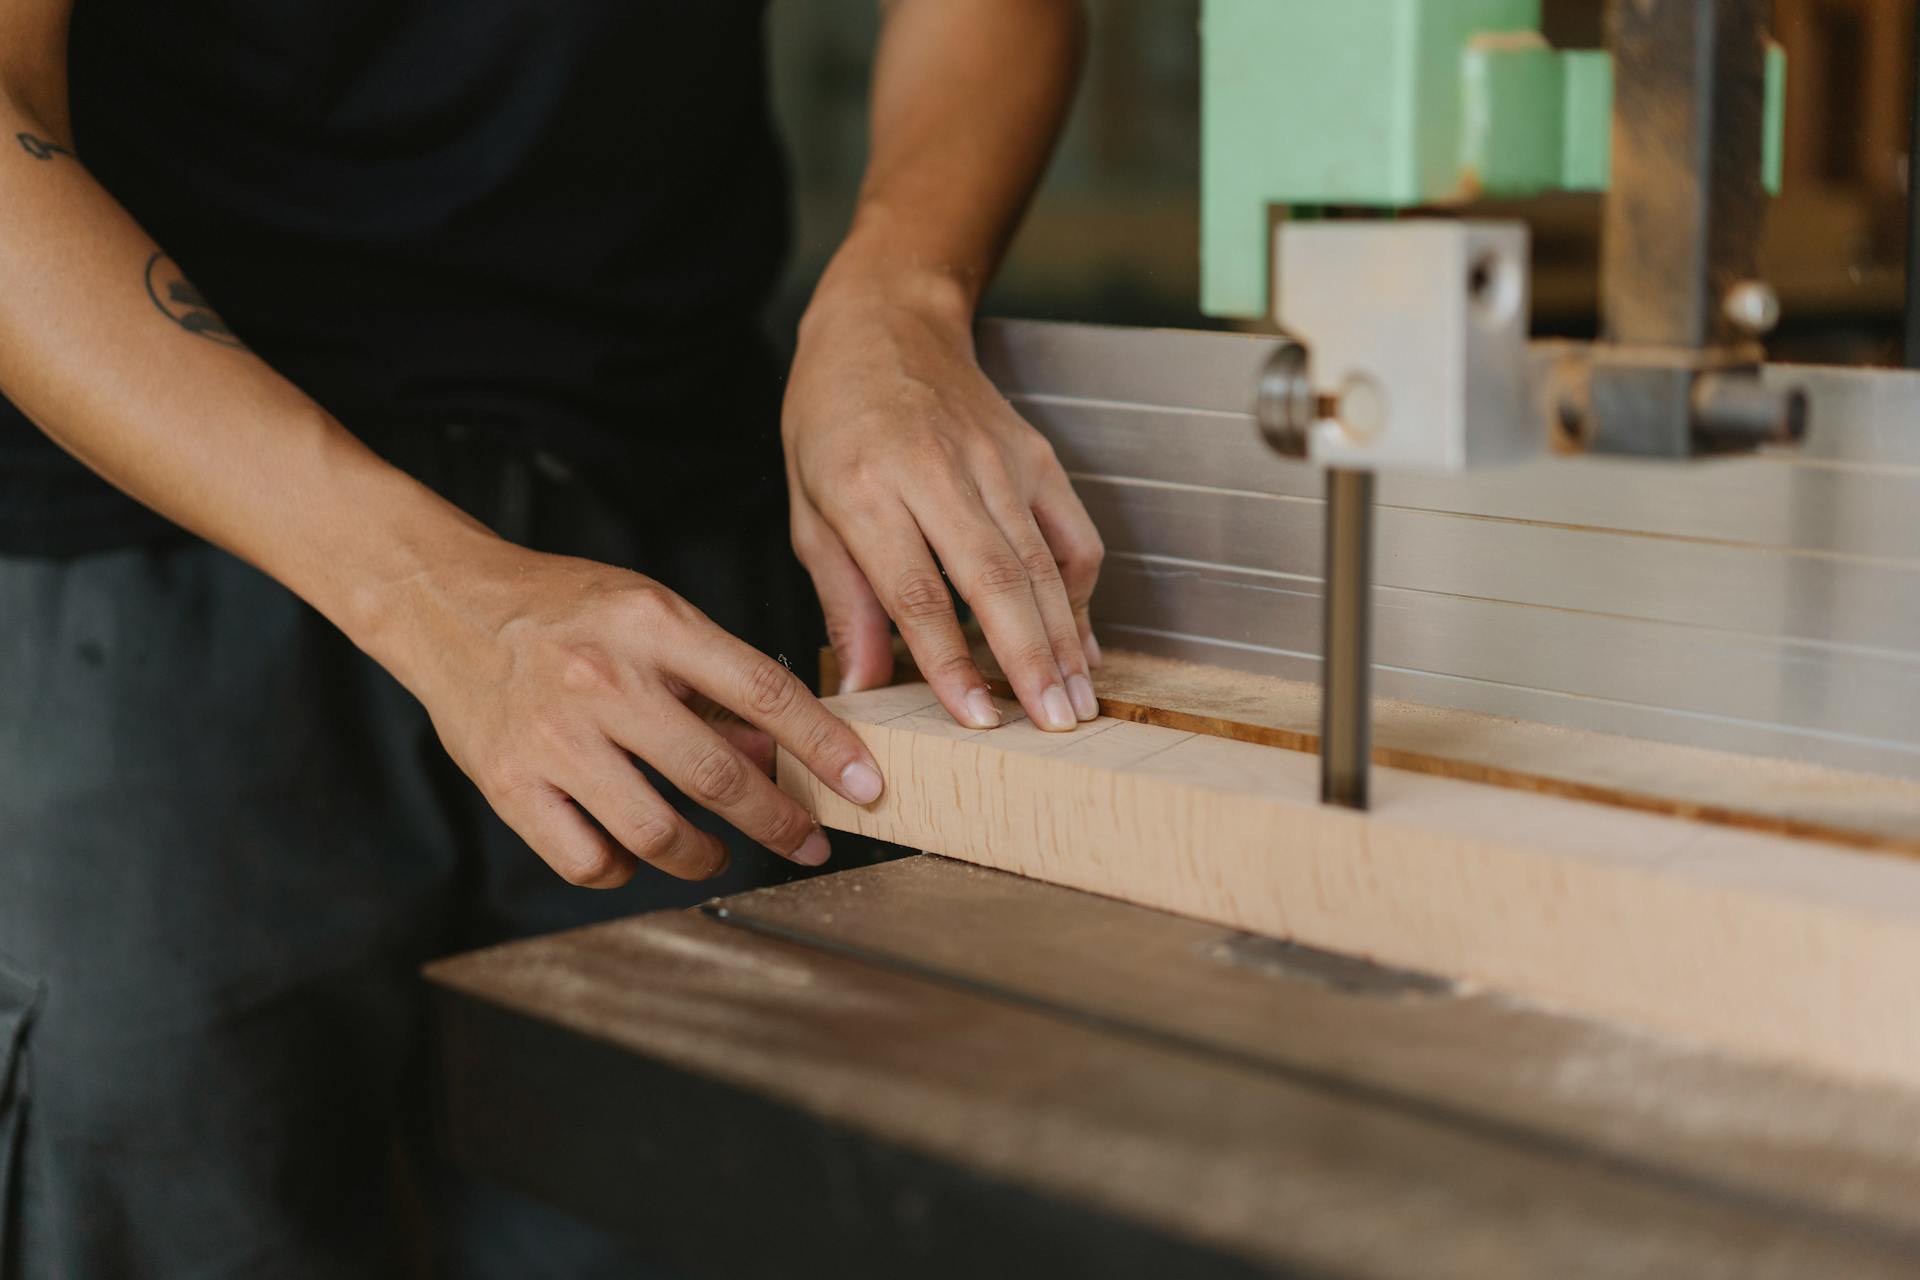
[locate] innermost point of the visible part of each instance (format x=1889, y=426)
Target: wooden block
x=1788, y=949
x=1760, y=793
x=1865, y=811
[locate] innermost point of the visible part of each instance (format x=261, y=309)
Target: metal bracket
x=1415, y=338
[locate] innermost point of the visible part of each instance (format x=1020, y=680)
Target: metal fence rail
x=1767, y=604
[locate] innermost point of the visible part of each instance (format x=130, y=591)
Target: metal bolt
x=1736, y=412
x=1286, y=406
x=1753, y=307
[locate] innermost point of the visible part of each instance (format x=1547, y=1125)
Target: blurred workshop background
x=1114, y=235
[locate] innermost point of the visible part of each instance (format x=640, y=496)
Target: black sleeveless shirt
x=559, y=218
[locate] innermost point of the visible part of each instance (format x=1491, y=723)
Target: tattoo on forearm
x=176, y=298
x=40, y=148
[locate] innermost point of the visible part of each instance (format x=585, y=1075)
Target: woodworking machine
x=921, y=1067
x=1413, y=351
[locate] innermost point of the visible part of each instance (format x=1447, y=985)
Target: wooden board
x=1085, y=1090
x=1597, y=1093
x=1789, y=949
x=1864, y=811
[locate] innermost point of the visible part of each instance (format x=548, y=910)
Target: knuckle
x=769, y=690
x=586, y=670
x=1034, y=655
x=649, y=834
x=951, y=666
x=1037, y=453
x=507, y=776
x=560, y=733
x=716, y=776
x=806, y=541
x=930, y=452
x=1088, y=547
x=1040, y=564
x=863, y=486
x=789, y=829
x=650, y=607
x=595, y=868
x=841, y=629
x=914, y=398
x=1096, y=553
x=1080, y=567
x=1022, y=437
x=988, y=460
x=920, y=596
x=819, y=737
x=1000, y=574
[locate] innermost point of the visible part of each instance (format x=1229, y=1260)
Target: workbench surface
x=932, y=1069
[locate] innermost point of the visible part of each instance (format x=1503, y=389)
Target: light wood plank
x=1789, y=949
x=1761, y=793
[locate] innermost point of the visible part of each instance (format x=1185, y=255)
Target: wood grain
x=1789, y=949
x=639, y=1073
x=1757, y=793
x=1598, y=1092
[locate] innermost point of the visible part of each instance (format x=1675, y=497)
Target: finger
x=857, y=626
x=753, y=743
x=1077, y=549
x=1056, y=611
x=611, y=788
x=892, y=553
x=566, y=840
x=993, y=579
x=764, y=693
x=718, y=778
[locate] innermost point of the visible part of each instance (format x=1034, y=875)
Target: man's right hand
x=547, y=677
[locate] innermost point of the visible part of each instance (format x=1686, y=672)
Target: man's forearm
x=968, y=97
x=107, y=347
x=548, y=678
x=910, y=474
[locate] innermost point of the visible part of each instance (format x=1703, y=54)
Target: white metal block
x=1417, y=332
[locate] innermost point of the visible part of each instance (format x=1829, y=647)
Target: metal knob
x=1285, y=405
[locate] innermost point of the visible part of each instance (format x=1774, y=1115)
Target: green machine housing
x=1392, y=104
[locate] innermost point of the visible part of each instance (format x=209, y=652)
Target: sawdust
x=1684, y=1089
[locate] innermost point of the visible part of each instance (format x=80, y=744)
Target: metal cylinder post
x=1346, y=679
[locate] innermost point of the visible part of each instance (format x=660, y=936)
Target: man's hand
x=902, y=459
x=901, y=453
x=547, y=677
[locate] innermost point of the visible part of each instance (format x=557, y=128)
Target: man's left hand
x=908, y=469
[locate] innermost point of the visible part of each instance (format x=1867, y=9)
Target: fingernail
x=860, y=783
x=1093, y=649
x=1080, y=689
x=1056, y=708
x=814, y=851
x=981, y=713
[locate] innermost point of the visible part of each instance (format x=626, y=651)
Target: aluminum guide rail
x=1767, y=604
